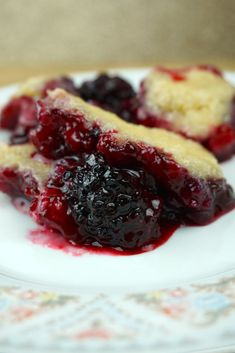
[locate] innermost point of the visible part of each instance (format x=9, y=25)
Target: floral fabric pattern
x=172, y=320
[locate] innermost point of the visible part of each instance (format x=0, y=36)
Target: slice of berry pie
x=196, y=102
x=101, y=181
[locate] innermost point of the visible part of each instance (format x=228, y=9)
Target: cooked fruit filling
x=110, y=93
x=112, y=205
x=90, y=202
x=102, y=181
x=196, y=102
x=188, y=173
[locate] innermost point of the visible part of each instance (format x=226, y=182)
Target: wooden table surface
x=16, y=74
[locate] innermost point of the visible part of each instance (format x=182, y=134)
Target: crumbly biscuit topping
x=193, y=106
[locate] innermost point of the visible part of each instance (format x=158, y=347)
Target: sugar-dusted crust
x=187, y=153
x=194, y=105
x=20, y=158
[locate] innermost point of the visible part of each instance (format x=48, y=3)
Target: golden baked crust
x=193, y=106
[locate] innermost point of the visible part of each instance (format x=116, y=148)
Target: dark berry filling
x=111, y=93
x=59, y=134
x=94, y=203
x=113, y=206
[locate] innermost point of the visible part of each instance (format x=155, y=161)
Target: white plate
x=195, y=260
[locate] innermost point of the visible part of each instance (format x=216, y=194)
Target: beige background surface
x=63, y=35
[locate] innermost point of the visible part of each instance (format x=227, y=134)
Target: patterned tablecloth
x=173, y=320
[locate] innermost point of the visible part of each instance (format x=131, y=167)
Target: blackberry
x=112, y=206
x=111, y=93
